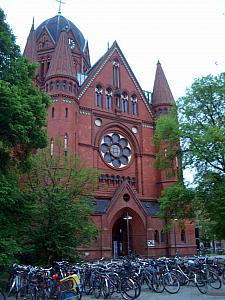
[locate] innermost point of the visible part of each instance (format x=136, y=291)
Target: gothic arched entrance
x=122, y=242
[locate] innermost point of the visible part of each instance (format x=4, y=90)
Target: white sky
x=186, y=36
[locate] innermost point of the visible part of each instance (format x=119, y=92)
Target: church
x=101, y=114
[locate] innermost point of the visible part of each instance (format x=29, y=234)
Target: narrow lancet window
x=116, y=74
x=134, y=109
x=98, y=96
x=124, y=102
x=108, y=99
x=52, y=147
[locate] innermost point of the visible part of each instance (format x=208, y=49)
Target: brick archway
x=128, y=234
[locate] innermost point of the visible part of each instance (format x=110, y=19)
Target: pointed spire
x=62, y=60
x=30, y=48
x=161, y=90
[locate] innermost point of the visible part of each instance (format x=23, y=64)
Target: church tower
x=101, y=114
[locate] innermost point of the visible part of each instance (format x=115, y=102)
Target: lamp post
x=127, y=218
x=175, y=237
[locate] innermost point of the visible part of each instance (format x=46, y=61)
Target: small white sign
x=151, y=243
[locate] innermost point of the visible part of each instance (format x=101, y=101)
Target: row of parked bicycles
x=125, y=276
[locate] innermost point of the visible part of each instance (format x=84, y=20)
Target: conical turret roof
x=62, y=61
x=30, y=50
x=161, y=90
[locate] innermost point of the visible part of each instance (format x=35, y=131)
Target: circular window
x=134, y=129
x=98, y=122
x=115, y=150
x=126, y=197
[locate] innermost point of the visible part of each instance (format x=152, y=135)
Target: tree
x=176, y=202
x=61, y=214
x=23, y=111
x=202, y=133
x=14, y=218
x=202, y=124
x=23, y=108
x=167, y=141
x=9, y=51
x=210, y=202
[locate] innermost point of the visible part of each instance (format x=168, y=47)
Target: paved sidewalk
x=185, y=293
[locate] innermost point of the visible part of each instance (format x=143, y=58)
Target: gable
x=102, y=75
x=45, y=40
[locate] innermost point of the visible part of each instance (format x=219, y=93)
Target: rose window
x=115, y=150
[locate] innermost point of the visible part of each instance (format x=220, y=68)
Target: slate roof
x=152, y=208
x=100, y=205
x=58, y=23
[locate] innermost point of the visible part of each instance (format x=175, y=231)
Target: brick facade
x=102, y=114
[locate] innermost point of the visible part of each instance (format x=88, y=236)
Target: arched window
x=124, y=102
x=57, y=85
x=117, y=101
x=70, y=87
x=66, y=142
x=64, y=86
x=53, y=112
x=108, y=99
x=52, y=147
x=66, y=112
x=156, y=236
x=116, y=74
x=42, y=70
x=134, y=105
x=46, y=87
x=51, y=86
x=165, y=111
x=159, y=111
x=162, y=236
x=98, y=96
x=183, y=236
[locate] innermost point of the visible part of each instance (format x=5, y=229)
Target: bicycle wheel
x=171, y=283
x=201, y=283
x=105, y=288
x=87, y=286
x=2, y=295
x=157, y=283
x=129, y=288
x=97, y=288
x=223, y=276
x=182, y=279
x=24, y=294
x=214, y=280
x=12, y=289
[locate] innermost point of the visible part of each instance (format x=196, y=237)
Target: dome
x=58, y=23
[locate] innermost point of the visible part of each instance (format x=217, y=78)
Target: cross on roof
x=60, y=5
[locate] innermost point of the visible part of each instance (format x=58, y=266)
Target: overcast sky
x=186, y=36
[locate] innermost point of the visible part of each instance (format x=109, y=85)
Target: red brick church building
x=101, y=113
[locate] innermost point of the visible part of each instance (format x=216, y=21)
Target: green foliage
x=176, y=202
x=8, y=49
x=202, y=124
x=61, y=216
x=210, y=202
x=14, y=218
x=23, y=108
x=166, y=139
